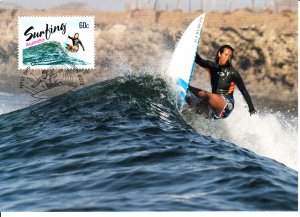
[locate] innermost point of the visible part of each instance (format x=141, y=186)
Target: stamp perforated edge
x=41, y=67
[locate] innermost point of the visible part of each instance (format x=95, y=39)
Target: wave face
x=49, y=53
x=120, y=145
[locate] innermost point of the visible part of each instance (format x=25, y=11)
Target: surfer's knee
x=203, y=94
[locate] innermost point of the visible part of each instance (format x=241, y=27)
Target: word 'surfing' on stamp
x=56, y=41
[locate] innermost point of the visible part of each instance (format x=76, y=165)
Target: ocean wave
x=49, y=53
x=121, y=145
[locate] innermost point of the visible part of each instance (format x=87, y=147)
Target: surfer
x=223, y=80
x=76, y=43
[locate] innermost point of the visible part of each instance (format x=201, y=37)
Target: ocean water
x=49, y=53
x=10, y=102
x=267, y=133
x=121, y=145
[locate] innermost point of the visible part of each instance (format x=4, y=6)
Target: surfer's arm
x=240, y=84
x=201, y=62
x=70, y=37
x=81, y=45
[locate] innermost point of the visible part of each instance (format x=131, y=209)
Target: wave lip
x=49, y=53
x=121, y=145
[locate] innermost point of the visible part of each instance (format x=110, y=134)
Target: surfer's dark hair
x=221, y=50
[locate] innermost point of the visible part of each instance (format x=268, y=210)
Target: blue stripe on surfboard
x=182, y=95
x=182, y=83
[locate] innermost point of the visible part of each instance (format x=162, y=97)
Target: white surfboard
x=183, y=60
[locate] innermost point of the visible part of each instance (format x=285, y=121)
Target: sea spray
x=268, y=134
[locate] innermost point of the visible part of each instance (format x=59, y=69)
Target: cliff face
x=266, y=47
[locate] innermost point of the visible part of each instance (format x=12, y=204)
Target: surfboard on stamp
x=183, y=60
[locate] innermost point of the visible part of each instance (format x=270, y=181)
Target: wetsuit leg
x=72, y=48
x=227, y=109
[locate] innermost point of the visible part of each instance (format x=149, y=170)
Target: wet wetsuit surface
x=223, y=80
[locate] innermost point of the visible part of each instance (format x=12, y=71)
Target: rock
x=265, y=49
x=118, y=29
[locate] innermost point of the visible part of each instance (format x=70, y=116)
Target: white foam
x=272, y=135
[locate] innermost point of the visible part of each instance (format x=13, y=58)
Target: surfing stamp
x=56, y=41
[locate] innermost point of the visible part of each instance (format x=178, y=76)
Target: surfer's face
x=76, y=35
x=225, y=56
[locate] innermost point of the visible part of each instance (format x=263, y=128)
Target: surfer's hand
x=252, y=112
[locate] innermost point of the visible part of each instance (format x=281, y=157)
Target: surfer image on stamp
x=45, y=41
x=76, y=42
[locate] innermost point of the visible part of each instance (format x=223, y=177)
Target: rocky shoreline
x=266, y=46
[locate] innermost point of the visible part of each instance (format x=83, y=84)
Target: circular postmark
x=47, y=83
x=54, y=81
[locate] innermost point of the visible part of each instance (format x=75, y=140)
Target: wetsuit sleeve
x=240, y=84
x=203, y=63
x=70, y=37
x=81, y=45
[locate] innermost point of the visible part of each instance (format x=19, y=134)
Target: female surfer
x=223, y=80
x=76, y=43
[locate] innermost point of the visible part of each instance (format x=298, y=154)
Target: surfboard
x=183, y=60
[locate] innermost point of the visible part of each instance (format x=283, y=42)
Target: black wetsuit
x=76, y=42
x=223, y=80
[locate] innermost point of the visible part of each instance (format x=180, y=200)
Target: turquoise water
x=49, y=53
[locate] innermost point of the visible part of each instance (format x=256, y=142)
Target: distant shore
x=266, y=46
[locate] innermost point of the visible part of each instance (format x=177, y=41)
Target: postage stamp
x=56, y=41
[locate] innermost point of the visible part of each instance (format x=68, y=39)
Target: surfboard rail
x=183, y=60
